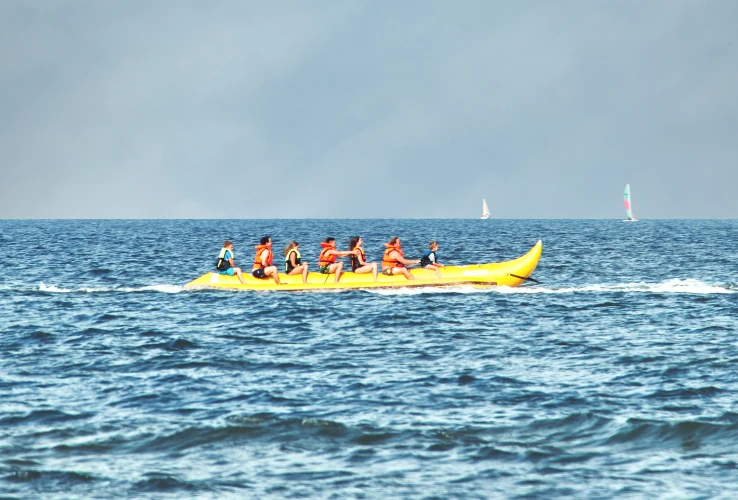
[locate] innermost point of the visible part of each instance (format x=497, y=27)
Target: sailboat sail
x=626, y=202
x=485, y=210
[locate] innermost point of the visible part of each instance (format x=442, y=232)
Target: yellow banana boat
x=510, y=273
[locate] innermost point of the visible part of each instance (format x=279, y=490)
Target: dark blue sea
x=616, y=376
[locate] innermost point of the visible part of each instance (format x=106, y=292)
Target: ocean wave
x=158, y=482
x=688, y=435
x=58, y=479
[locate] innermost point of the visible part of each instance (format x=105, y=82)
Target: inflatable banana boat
x=510, y=273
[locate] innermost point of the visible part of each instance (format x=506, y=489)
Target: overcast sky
x=364, y=109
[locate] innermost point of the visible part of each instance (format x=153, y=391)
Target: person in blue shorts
x=225, y=263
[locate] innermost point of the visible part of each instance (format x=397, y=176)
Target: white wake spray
x=688, y=286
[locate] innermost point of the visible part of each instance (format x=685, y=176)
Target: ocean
x=615, y=377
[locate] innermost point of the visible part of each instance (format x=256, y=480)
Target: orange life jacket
x=388, y=261
x=326, y=260
x=257, y=259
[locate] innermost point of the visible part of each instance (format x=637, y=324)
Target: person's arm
x=434, y=261
x=292, y=259
x=362, y=262
x=264, y=258
x=230, y=259
x=403, y=260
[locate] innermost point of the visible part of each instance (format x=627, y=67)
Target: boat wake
x=469, y=289
x=673, y=286
x=669, y=286
x=42, y=287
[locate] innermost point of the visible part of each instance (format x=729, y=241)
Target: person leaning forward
x=327, y=260
x=263, y=267
x=394, y=262
x=225, y=263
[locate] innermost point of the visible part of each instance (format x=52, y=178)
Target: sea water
x=616, y=376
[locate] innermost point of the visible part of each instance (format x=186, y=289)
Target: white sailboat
x=485, y=210
x=628, y=206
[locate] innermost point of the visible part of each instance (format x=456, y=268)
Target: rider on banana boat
x=393, y=261
x=359, y=265
x=263, y=261
x=430, y=259
x=225, y=263
x=293, y=264
x=327, y=260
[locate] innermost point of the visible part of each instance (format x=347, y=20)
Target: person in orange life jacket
x=293, y=264
x=263, y=261
x=359, y=265
x=226, y=264
x=430, y=259
x=393, y=261
x=327, y=260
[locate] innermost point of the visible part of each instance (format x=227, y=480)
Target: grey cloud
x=361, y=109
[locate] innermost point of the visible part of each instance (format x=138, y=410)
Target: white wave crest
x=52, y=289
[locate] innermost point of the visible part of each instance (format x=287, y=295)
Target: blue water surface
x=617, y=376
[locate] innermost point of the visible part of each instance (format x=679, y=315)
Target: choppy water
x=618, y=376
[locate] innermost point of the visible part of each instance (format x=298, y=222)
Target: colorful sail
x=626, y=202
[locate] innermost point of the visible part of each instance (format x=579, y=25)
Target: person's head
x=331, y=241
x=228, y=244
x=290, y=246
x=433, y=245
x=395, y=241
x=266, y=240
x=354, y=242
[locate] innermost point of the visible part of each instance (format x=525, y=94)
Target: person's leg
x=338, y=269
x=272, y=271
x=368, y=268
x=237, y=270
x=303, y=268
x=404, y=271
x=435, y=268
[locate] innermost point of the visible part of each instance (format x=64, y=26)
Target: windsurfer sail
x=628, y=206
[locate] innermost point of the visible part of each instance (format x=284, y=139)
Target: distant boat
x=485, y=210
x=628, y=206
